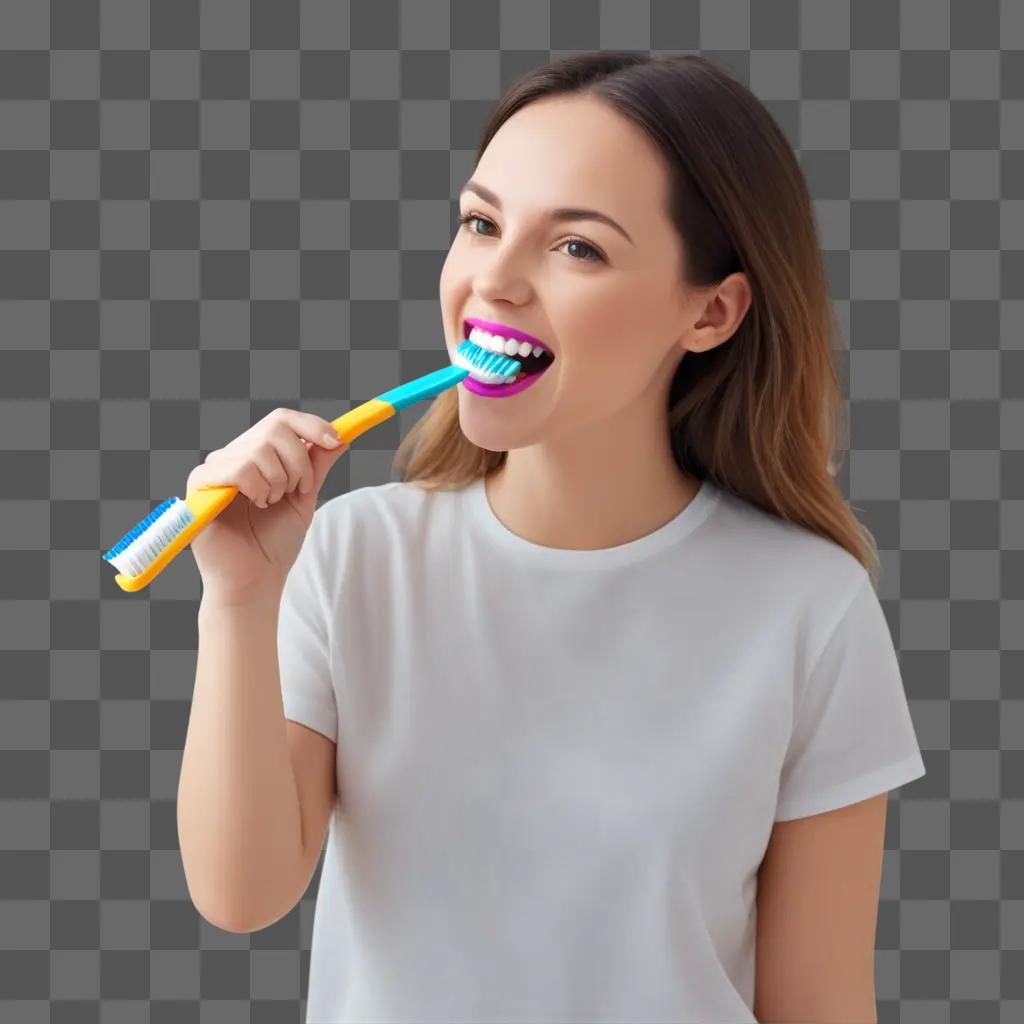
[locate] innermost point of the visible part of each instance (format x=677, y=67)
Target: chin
x=497, y=435
x=490, y=440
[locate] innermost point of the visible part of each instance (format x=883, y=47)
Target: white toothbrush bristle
x=139, y=548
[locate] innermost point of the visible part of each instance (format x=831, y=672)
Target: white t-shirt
x=558, y=770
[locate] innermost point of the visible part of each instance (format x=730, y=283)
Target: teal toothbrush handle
x=427, y=386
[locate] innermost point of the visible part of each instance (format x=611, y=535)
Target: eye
x=598, y=257
x=466, y=218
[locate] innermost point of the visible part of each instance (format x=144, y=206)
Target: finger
x=245, y=474
x=252, y=483
x=268, y=461
x=308, y=426
x=210, y=475
x=292, y=451
x=195, y=478
x=322, y=459
x=241, y=473
x=202, y=475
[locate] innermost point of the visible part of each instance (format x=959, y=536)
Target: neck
x=604, y=486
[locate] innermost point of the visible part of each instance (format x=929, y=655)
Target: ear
x=723, y=311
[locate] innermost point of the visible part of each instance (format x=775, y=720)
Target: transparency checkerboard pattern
x=208, y=210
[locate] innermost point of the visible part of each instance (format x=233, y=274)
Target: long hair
x=760, y=414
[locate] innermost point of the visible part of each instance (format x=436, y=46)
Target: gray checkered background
x=209, y=210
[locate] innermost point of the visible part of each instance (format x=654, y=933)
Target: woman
x=598, y=700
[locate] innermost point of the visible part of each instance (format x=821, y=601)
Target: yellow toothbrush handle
x=357, y=421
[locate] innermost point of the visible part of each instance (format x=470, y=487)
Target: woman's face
x=611, y=308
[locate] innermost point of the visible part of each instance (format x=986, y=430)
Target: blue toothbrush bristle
x=488, y=364
x=141, y=545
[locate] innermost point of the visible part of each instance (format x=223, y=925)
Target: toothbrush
x=146, y=549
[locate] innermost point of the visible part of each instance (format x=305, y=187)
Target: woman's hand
x=278, y=465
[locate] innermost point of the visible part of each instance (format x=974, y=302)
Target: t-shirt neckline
x=673, y=532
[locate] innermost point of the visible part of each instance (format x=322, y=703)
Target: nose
x=500, y=281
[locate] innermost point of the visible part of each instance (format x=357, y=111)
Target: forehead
x=578, y=151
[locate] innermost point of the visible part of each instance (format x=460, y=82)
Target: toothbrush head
x=486, y=367
x=139, y=548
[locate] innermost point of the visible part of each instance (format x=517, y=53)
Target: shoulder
x=392, y=513
x=783, y=574
x=361, y=501
x=788, y=555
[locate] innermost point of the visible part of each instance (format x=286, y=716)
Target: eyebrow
x=558, y=213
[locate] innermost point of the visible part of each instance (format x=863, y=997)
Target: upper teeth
x=504, y=346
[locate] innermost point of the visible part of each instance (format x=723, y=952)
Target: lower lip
x=502, y=390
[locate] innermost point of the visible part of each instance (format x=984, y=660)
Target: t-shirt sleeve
x=853, y=736
x=303, y=639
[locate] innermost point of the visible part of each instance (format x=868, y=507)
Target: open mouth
x=534, y=362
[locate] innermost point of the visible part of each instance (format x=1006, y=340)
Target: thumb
x=322, y=459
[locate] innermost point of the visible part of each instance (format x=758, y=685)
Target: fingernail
x=331, y=439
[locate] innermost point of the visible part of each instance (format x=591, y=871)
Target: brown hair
x=760, y=413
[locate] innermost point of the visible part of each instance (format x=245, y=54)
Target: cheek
x=616, y=329
x=615, y=356
x=447, y=278
x=451, y=291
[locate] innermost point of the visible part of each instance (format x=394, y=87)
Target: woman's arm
x=817, y=911
x=255, y=790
